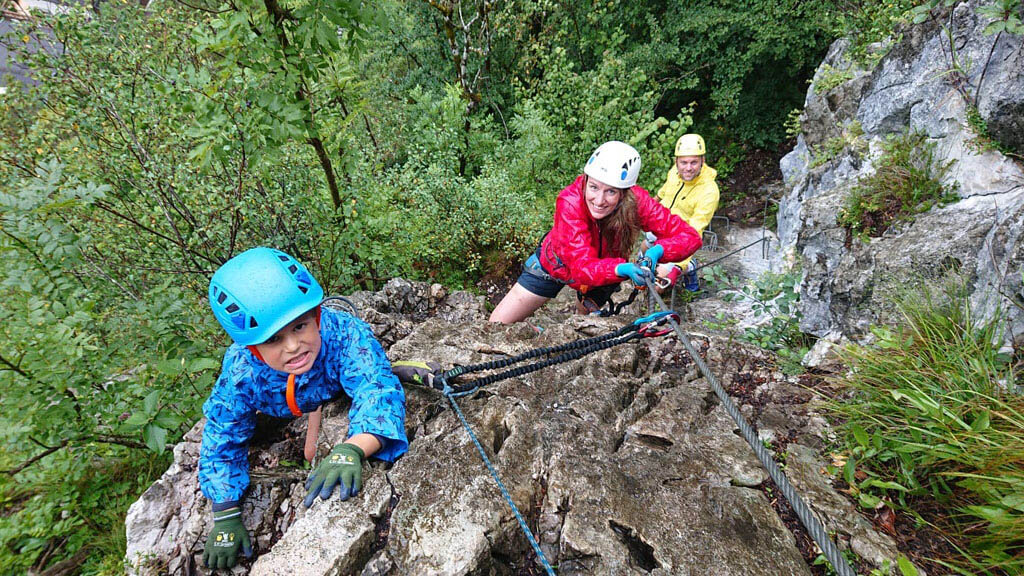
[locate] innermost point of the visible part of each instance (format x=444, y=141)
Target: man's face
x=689, y=166
x=295, y=347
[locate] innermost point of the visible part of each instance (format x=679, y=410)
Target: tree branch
x=34, y=459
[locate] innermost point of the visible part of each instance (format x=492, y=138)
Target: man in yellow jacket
x=691, y=193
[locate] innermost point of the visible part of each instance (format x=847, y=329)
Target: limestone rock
x=848, y=286
x=621, y=463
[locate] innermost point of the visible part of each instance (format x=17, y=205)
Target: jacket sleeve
x=704, y=206
x=378, y=401
x=578, y=250
x=677, y=237
x=230, y=423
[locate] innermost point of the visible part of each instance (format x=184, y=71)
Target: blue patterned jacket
x=351, y=361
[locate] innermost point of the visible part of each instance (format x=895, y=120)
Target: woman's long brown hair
x=622, y=226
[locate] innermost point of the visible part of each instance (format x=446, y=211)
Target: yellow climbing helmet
x=690, y=145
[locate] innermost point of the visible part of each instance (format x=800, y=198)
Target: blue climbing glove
x=226, y=538
x=631, y=271
x=343, y=467
x=654, y=253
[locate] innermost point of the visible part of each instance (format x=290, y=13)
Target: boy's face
x=295, y=347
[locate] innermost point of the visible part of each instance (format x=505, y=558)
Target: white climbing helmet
x=614, y=163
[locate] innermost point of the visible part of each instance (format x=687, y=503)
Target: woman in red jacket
x=598, y=219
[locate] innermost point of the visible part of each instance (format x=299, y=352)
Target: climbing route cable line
x=651, y=325
x=803, y=512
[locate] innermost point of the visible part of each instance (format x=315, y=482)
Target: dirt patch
x=922, y=543
x=742, y=197
x=499, y=279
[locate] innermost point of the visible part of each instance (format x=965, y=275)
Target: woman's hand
x=633, y=272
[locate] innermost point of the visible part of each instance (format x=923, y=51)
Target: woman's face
x=601, y=198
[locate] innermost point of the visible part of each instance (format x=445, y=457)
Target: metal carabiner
x=647, y=330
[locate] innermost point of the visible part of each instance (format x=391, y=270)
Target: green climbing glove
x=413, y=372
x=342, y=467
x=226, y=537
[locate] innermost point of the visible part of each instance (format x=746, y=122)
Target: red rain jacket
x=575, y=253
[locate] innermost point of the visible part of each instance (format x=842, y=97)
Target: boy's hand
x=226, y=537
x=413, y=372
x=342, y=467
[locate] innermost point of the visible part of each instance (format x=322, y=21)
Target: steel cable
x=803, y=512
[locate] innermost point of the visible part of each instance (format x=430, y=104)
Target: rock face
x=622, y=463
x=923, y=87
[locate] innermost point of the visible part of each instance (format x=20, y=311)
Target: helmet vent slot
x=232, y=308
x=252, y=322
x=283, y=258
x=293, y=268
x=221, y=298
x=303, y=289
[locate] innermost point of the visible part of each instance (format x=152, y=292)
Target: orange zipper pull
x=290, y=396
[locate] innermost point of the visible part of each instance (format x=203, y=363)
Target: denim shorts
x=537, y=280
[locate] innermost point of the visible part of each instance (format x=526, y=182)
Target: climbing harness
x=612, y=308
x=650, y=326
x=803, y=512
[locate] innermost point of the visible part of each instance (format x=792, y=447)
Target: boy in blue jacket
x=289, y=356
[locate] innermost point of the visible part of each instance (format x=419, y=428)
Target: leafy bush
x=906, y=181
x=88, y=377
x=869, y=22
x=744, y=63
x=776, y=298
x=934, y=413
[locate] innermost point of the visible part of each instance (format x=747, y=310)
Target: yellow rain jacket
x=694, y=201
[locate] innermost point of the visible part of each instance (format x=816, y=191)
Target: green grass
x=935, y=414
x=906, y=181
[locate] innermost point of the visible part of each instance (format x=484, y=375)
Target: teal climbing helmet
x=260, y=291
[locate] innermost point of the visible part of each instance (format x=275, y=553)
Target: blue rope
x=494, y=473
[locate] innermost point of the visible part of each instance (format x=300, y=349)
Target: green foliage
x=867, y=23
x=830, y=78
x=275, y=74
x=74, y=381
x=776, y=298
x=906, y=181
x=749, y=60
x=983, y=140
x=1005, y=15
x=793, y=122
x=848, y=139
x=933, y=415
